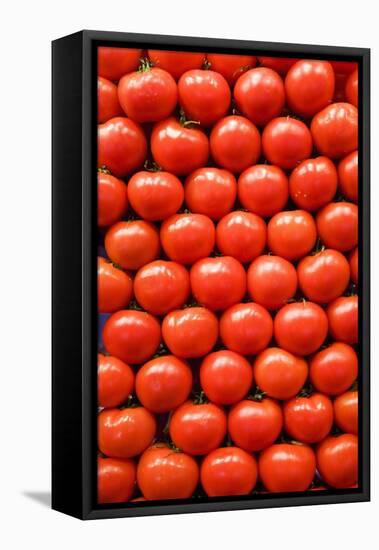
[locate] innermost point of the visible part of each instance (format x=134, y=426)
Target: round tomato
x=279, y=64
x=348, y=176
x=263, y=189
x=344, y=67
x=346, y=412
x=235, y=143
x=241, y=235
x=308, y=419
x=343, y=319
x=271, y=281
x=354, y=265
x=163, y=383
x=351, y=89
x=112, y=62
x=116, y=479
x=337, y=225
x=198, y=429
x=231, y=66
x=132, y=244
x=114, y=287
x=334, y=369
x=112, y=199
x=291, y=234
x=313, y=183
x=286, y=141
x=337, y=460
x=246, y=328
x=133, y=336
x=335, y=130
x=190, y=332
x=107, y=100
x=115, y=381
x=176, y=63
x=301, y=327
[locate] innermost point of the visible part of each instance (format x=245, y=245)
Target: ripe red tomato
x=337, y=460
x=348, y=176
x=334, y=369
x=309, y=86
x=198, y=429
x=231, y=66
x=337, y=225
x=271, y=281
x=313, y=183
x=308, y=419
x=125, y=433
x=112, y=62
x=346, y=412
x=354, y=265
x=133, y=336
x=351, y=89
x=176, y=63
x=324, y=276
x=210, y=191
x=344, y=67
x=179, y=148
x=235, y=143
x=287, y=468
x=335, y=130
x=343, y=319
x=254, y=425
x=286, y=141
x=107, y=100
x=228, y=471
x=164, y=474
x=162, y=286
x=190, y=332
x=114, y=287
x=116, y=479
x=163, y=383
x=291, y=234
x=259, y=95
x=204, y=95
x=301, y=327
x=132, y=244
x=339, y=87
x=217, y=283
x=263, y=189
x=112, y=199
x=241, y=235
x=280, y=374
x=226, y=377
x=115, y=381
x=187, y=238
x=279, y=64
x=121, y=146
x=246, y=328
x=148, y=95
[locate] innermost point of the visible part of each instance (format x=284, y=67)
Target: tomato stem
x=103, y=170
x=151, y=166
x=145, y=65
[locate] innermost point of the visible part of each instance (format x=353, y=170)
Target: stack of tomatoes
x=227, y=276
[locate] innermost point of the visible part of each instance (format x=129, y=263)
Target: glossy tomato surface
x=313, y=183
x=113, y=63
x=343, y=319
x=271, y=281
x=114, y=287
x=115, y=381
x=263, y=189
x=132, y=244
x=286, y=141
x=334, y=369
x=291, y=234
x=335, y=130
x=337, y=460
x=231, y=66
x=108, y=105
x=241, y=235
x=346, y=412
x=116, y=479
x=112, y=199
x=176, y=63
x=308, y=419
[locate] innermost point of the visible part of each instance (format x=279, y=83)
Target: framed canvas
x=211, y=338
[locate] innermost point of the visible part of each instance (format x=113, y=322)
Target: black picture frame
x=74, y=315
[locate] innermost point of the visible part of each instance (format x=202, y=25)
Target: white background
x=26, y=31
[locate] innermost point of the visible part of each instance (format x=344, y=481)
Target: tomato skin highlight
x=241, y=235
x=107, y=100
x=116, y=480
x=348, y=176
x=334, y=369
x=337, y=460
x=313, y=183
x=112, y=199
x=115, y=381
x=337, y=225
x=113, y=63
x=286, y=142
x=291, y=234
x=335, y=130
x=176, y=63
x=271, y=281
x=346, y=412
x=114, y=287
x=308, y=419
x=263, y=189
x=343, y=319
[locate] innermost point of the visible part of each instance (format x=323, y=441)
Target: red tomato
x=313, y=183
x=241, y=235
x=271, y=281
x=162, y=286
x=346, y=412
x=263, y=189
x=337, y=225
x=226, y=377
x=190, y=332
x=351, y=89
x=198, y=429
x=115, y=381
x=112, y=62
x=176, y=63
x=287, y=468
x=286, y=141
x=279, y=64
x=339, y=87
x=335, y=130
x=344, y=67
x=116, y=479
x=308, y=419
x=280, y=374
x=107, y=100
x=343, y=319
x=348, y=176
x=204, y=95
x=337, y=460
x=228, y=471
x=324, y=276
x=112, y=199
x=301, y=327
x=163, y=383
x=246, y=328
x=231, y=66
x=132, y=244
x=133, y=336
x=125, y=433
x=259, y=95
x=309, y=86
x=291, y=234
x=254, y=425
x=210, y=191
x=178, y=148
x=354, y=265
x=121, y=146
x=235, y=143
x=164, y=474
x=334, y=369
x=155, y=195
x=186, y=238
x=114, y=287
